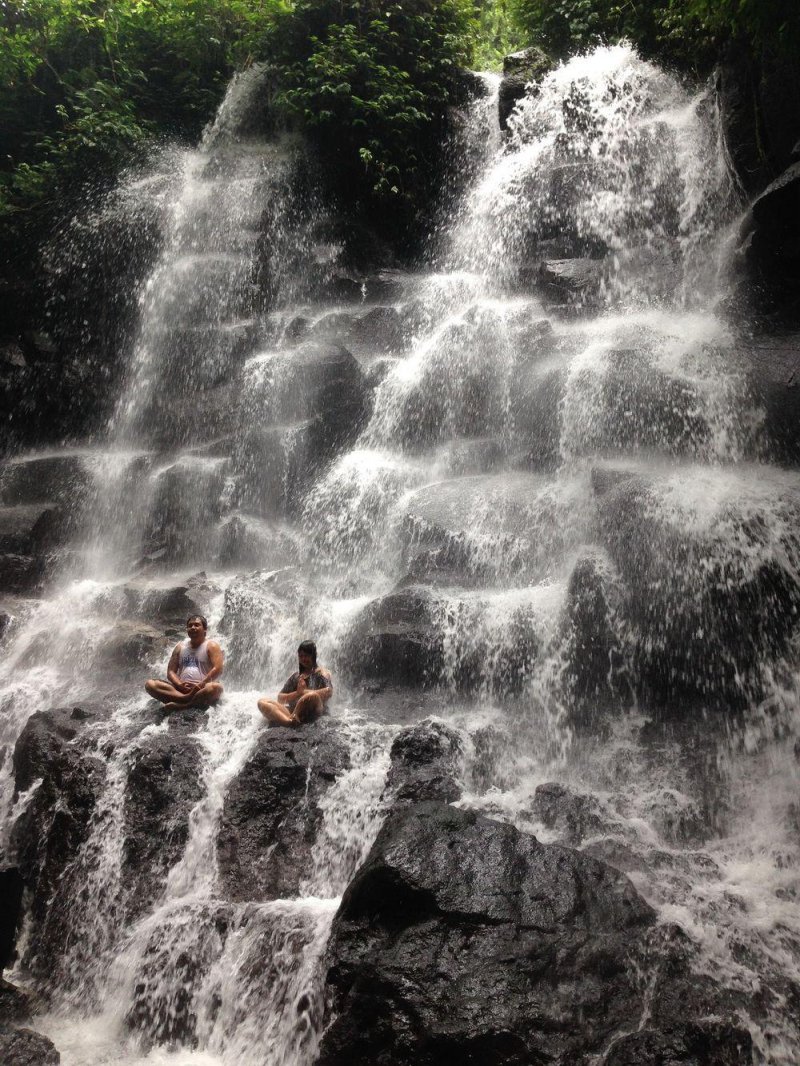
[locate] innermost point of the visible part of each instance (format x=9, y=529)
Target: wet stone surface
x=462, y=939
x=272, y=815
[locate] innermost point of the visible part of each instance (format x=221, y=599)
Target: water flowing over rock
x=535, y=498
x=272, y=812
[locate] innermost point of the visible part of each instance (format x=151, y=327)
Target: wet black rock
x=770, y=246
x=380, y=330
x=55, y=823
x=61, y=478
x=47, y=402
x=268, y=463
x=573, y=815
x=425, y=762
x=255, y=603
x=21, y=574
x=333, y=396
x=685, y=582
x=11, y=888
x=16, y=1004
x=395, y=639
x=439, y=536
x=461, y=939
x=128, y=650
x=758, y=92
x=271, y=814
x=535, y=413
x=707, y=1044
x=29, y=529
x=164, y=782
x=519, y=70
x=24, y=1047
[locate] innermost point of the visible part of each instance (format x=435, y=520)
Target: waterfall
x=523, y=488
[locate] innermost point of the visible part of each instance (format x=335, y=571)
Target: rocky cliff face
x=459, y=939
x=539, y=506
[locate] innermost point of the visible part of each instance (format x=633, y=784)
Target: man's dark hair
x=310, y=648
x=200, y=618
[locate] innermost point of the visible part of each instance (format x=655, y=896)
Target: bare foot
x=173, y=706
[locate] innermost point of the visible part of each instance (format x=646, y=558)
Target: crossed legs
x=173, y=699
x=307, y=709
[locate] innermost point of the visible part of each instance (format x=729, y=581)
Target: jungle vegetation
x=86, y=84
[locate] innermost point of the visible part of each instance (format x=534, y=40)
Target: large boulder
x=272, y=811
x=29, y=528
x=595, y=676
x=16, y=1004
x=254, y=607
x=475, y=529
x=63, y=478
x=127, y=651
x=463, y=940
x=425, y=759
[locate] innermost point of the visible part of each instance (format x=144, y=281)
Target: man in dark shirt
x=302, y=699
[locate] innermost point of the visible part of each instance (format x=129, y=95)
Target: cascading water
x=561, y=498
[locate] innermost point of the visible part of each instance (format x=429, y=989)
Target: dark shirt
x=316, y=679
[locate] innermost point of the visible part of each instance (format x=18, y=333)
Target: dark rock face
x=15, y=1004
x=48, y=834
x=24, y=1047
x=771, y=246
x=464, y=940
x=130, y=647
x=271, y=814
x=684, y=585
x=164, y=783
x=758, y=99
x=395, y=640
x=11, y=887
x=575, y=816
x=519, y=70
x=326, y=387
x=773, y=368
x=425, y=759
x=695, y=1045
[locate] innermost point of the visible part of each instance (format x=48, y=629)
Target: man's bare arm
x=217, y=662
x=172, y=668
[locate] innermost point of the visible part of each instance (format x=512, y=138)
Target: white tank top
x=193, y=663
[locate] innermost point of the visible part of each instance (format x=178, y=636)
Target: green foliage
x=371, y=81
x=686, y=32
x=496, y=34
x=83, y=82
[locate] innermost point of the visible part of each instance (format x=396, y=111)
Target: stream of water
x=508, y=403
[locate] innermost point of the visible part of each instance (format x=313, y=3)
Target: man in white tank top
x=194, y=666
